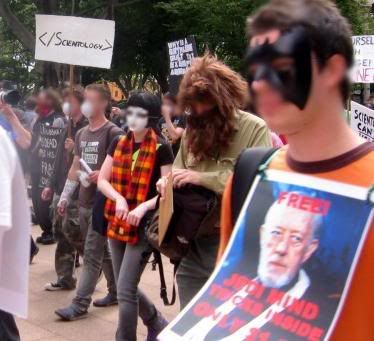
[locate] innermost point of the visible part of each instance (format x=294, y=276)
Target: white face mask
x=137, y=119
x=87, y=109
x=66, y=108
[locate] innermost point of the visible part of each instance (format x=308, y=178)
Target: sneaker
x=71, y=313
x=56, y=287
x=153, y=333
x=106, y=301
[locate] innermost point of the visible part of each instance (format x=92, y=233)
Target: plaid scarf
x=131, y=181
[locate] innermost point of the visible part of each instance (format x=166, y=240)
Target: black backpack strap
x=245, y=171
x=163, y=288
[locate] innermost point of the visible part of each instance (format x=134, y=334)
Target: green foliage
x=143, y=27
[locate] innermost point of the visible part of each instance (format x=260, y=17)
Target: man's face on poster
x=286, y=242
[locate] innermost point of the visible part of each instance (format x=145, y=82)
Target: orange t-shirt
x=357, y=168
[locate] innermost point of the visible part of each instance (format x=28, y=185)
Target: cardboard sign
x=287, y=269
x=74, y=40
x=363, y=69
x=362, y=121
x=47, y=150
x=181, y=54
x=166, y=210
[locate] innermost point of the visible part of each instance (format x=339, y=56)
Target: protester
x=370, y=103
x=14, y=234
x=90, y=147
x=66, y=230
x=128, y=179
x=49, y=115
x=172, y=124
x=217, y=132
x=30, y=114
x=298, y=59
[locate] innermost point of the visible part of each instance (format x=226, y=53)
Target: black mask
x=293, y=82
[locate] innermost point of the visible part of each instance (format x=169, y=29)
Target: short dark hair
x=30, y=103
x=169, y=96
x=77, y=92
x=147, y=101
x=105, y=94
x=329, y=31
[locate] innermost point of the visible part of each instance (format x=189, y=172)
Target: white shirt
x=14, y=231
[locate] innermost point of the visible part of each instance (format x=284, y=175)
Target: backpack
x=194, y=208
x=246, y=168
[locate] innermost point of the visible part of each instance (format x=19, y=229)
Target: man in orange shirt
x=298, y=58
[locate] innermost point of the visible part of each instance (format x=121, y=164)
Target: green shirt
x=250, y=131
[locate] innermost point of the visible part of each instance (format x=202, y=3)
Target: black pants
x=8, y=327
x=41, y=207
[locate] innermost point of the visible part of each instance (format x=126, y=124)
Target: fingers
x=121, y=213
x=180, y=179
x=161, y=186
x=133, y=219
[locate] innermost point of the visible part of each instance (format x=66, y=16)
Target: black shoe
x=33, y=253
x=71, y=314
x=77, y=264
x=106, y=301
x=46, y=239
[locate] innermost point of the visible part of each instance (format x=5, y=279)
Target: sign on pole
x=74, y=40
x=363, y=69
x=362, y=121
x=181, y=54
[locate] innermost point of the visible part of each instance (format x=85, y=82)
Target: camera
x=11, y=97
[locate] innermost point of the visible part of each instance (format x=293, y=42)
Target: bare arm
x=23, y=136
x=174, y=132
x=104, y=177
x=75, y=167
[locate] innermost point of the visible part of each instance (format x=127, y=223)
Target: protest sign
x=363, y=69
x=286, y=271
x=48, y=142
x=362, y=121
x=74, y=40
x=181, y=54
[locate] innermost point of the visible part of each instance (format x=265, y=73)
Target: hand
x=161, y=185
x=47, y=194
x=122, y=209
x=93, y=177
x=116, y=111
x=69, y=145
x=136, y=215
x=61, y=207
x=7, y=110
x=182, y=177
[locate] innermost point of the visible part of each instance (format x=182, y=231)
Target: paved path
x=42, y=324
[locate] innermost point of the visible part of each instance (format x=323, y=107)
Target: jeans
x=129, y=262
x=41, y=207
x=8, y=327
x=196, y=268
x=96, y=257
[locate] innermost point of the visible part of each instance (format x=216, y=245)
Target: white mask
x=137, y=119
x=87, y=109
x=66, y=108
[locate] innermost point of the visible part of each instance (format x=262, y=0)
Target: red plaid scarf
x=130, y=181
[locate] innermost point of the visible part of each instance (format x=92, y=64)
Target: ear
x=335, y=70
x=312, y=247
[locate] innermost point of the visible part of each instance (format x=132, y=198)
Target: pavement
x=101, y=323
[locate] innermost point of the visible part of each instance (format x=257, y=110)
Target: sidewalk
x=100, y=325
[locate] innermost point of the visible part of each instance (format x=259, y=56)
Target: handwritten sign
x=363, y=69
x=181, y=54
x=287, y=269
x=48, y=142
x=74, y=40
x=362, y=121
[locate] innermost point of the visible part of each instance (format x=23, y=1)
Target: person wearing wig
x=217, y=132
x=128, y=179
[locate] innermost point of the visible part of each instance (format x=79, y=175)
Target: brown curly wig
x=210, y=81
